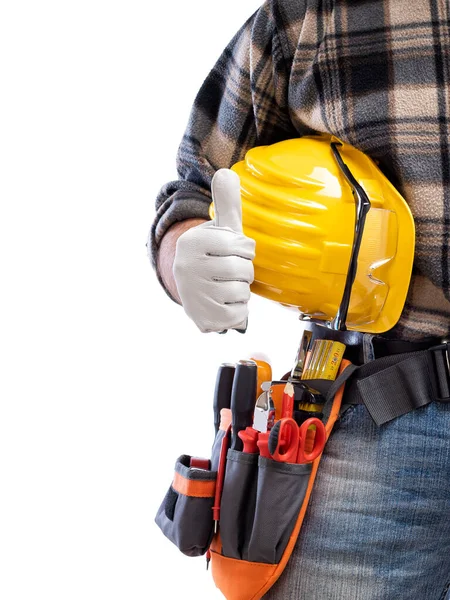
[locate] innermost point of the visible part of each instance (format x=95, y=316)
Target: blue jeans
x=378, y=524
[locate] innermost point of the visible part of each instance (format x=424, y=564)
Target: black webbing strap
x=342, y=378
x=394, y=385
x=439, y=366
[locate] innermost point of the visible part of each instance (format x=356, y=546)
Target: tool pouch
x=185, y=515
x=262, y=509
x=238, y=502
x=262, y=506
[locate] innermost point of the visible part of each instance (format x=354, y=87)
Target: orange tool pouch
x=262, y=507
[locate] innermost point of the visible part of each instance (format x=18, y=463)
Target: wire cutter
x=256, y=438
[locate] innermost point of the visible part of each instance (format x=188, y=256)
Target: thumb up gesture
x=213, y=266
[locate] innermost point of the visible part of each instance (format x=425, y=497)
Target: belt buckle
x=439, y=369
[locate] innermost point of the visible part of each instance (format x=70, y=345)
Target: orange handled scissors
x=287, y=440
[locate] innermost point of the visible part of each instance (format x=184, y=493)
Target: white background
x=104, y=381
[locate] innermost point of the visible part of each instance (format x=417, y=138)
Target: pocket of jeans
x=238, y=503
x=185, y=515
x=281, y=490
x=346, y=414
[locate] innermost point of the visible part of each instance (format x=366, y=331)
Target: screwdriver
x=222, y=391
x=243, y=396
x=264, y=369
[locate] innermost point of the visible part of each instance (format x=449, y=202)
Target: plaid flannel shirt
x=375, y=73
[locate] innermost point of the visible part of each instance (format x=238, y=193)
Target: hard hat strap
x=362, y=208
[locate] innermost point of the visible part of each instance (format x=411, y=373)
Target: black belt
x=394, y=384
x=357, y=343
x=384, y=347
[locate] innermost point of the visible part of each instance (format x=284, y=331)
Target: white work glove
x=213, y=266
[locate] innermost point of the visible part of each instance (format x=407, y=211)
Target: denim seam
x=444, y=593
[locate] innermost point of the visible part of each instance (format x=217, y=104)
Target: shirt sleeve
x=242, y=103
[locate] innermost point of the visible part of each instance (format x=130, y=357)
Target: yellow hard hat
x=334, y=238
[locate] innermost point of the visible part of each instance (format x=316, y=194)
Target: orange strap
x=194, y=487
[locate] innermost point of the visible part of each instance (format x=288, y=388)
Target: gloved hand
x=213, y=266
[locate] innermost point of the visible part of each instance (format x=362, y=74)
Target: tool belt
x=261, y=508
x=261, y=503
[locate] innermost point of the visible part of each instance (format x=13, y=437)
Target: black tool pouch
x=260, y=503
x=281, y=490
x=237, y=504
x=185, y=515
